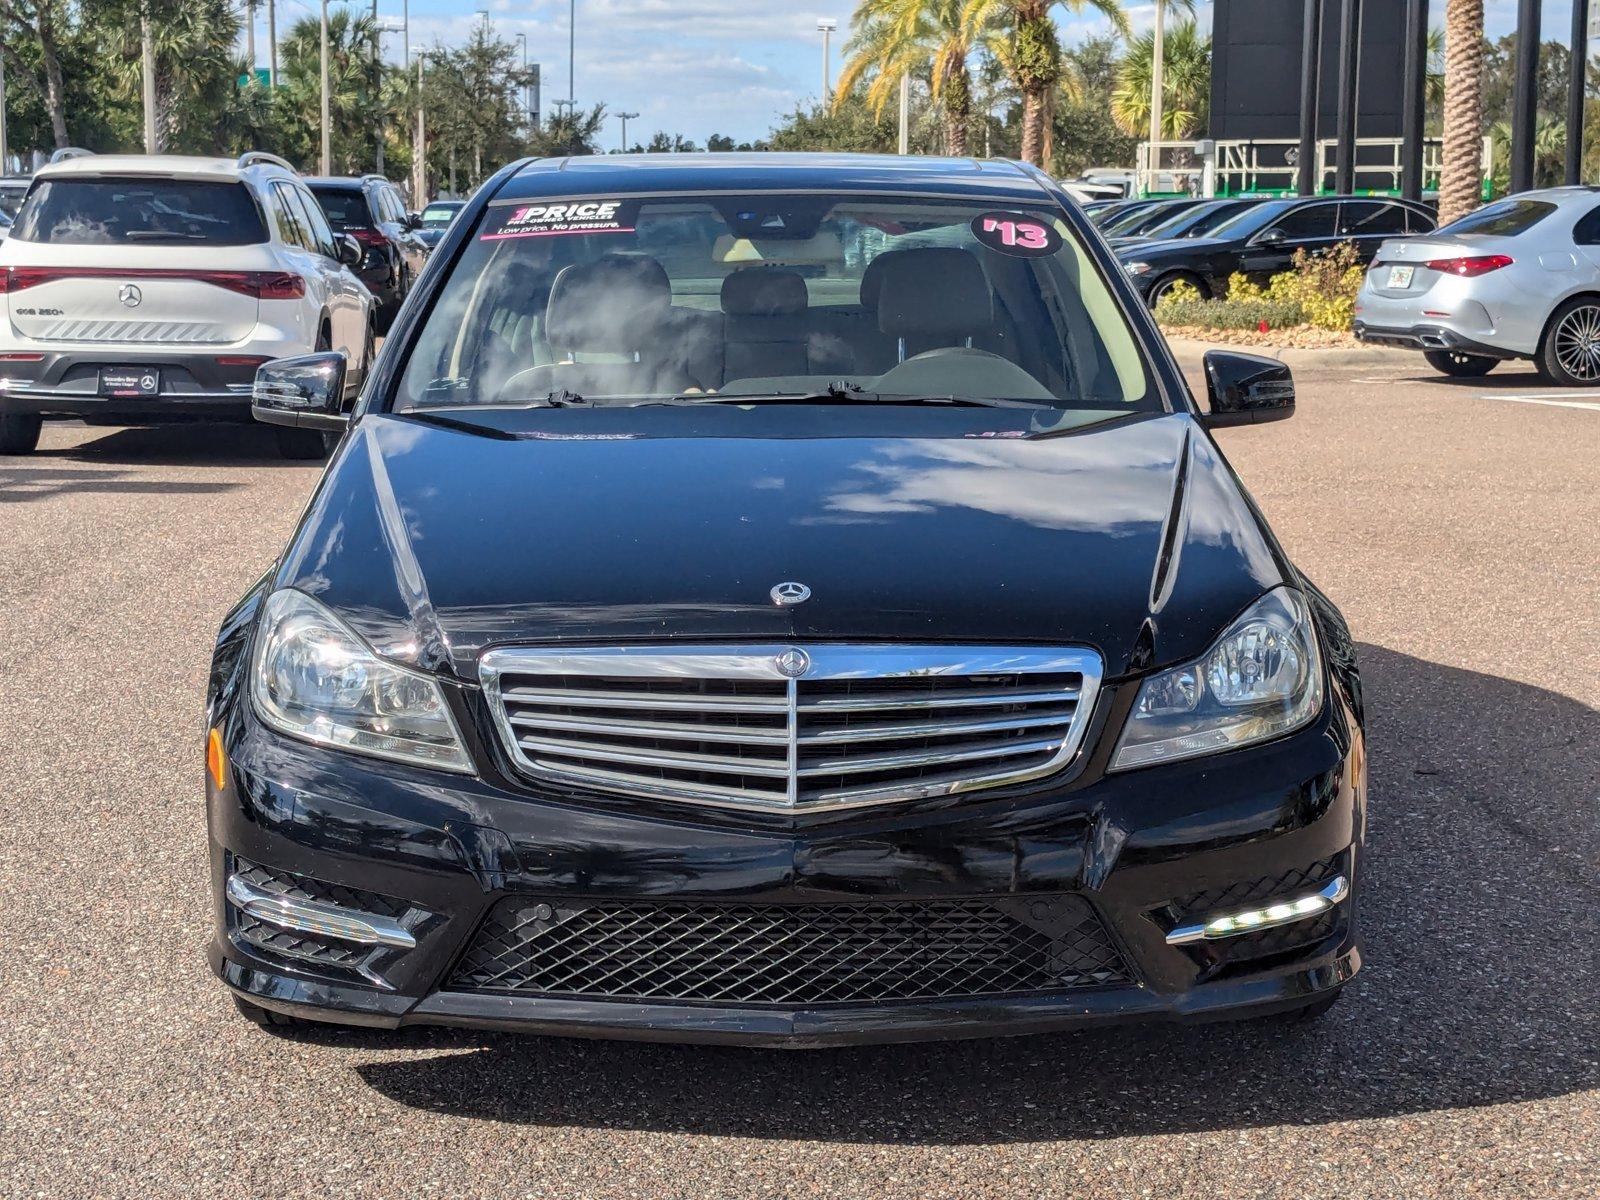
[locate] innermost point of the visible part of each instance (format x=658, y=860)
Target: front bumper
x=192, y=385
x=1128, y=846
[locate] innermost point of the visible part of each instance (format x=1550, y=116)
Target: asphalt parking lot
x=1456, y=522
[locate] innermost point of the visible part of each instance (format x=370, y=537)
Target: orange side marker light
x=216, y=760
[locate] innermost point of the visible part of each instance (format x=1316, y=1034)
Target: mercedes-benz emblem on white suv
x=786, y=594
x=130, y=295
x=793, y=663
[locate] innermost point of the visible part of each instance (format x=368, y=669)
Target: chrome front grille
x=792, y=729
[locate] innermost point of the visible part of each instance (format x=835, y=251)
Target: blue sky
x=699, y=67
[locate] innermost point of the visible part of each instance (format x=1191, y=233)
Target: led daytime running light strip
x=1251, y=919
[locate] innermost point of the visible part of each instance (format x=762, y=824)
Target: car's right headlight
x=1136, y=268
x=313, y=677
x=1260, y=680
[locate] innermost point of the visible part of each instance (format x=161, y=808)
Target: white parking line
x=1552, y=401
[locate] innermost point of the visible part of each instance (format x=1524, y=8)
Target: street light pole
x=419, y=156
x=827, y=25
x=572, y=51
x=272, y=43
x=325, y=160
x=625, y=117
x=147, y=62
x=1158, y=49
x=905, y=114
x=527, y=112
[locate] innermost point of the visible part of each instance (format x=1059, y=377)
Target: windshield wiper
x=161, y=235
x=853, y=393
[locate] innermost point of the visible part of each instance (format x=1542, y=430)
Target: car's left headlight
x=1260, y=680
x=313, y=677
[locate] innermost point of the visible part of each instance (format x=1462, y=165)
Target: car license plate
x=1400, y=277
x=130, y=381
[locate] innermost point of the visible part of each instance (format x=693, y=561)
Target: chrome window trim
x=828, y=662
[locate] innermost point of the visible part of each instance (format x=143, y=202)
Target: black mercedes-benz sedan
x=1262, y=239
x=791, y=600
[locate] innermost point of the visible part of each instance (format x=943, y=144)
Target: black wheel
x=1160, y=288
x=265, y=1017
x=1570, y=355
x=1462, y=366
x=1310, y=1012
x=19, y=434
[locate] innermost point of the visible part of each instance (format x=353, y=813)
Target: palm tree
x=195, y=69
x=1461, y=184
x=1185, y=84
x=896, y=38
x=1031, y=56
x=353, y=105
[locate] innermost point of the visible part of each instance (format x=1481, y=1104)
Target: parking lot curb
x=1191, y=350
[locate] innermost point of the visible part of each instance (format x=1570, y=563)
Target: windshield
x=346, y=208
x=107, y=212
x=1506, y=219
x=704, y=297
x=437, y=216
x=1253, y=219
x=1197, y=221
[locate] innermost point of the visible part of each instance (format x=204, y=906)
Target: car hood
x=436, y=539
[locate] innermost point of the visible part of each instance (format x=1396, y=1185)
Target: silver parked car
x=1519, y=278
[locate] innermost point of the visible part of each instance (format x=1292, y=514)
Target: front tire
x=265, y=1017
x=1160, y=288
x=301, y=445
x=19, y=433
x=1570, y=354
x=1310, y=1012
x=1458, y=365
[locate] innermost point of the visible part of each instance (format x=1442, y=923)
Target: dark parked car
x=789, y=599
x=1261, y=241
x=371, y=210
x=1193, y=220
x=13, y=190
x=435, y=219
x=1135, y=221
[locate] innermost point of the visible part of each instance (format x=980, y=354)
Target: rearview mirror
x=349, y=249
x=305, y=392
x=1244, y=389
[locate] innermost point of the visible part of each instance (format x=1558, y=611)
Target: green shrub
x=1232, y=313
x=1320, y=291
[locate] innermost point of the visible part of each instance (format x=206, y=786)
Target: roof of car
x=188, y=166
x=349, y=181
x=613, y=174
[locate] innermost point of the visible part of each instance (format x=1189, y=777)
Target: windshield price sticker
x=564, y=217
x=1016, y=234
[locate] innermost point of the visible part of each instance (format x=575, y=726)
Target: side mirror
x=413, y=221
x=305, y=392
x=349, y=249
x=1268, y=237
x=1243, y=389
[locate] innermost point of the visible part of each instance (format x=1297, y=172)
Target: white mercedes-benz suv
x=147, y=289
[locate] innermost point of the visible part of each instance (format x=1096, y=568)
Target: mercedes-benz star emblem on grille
x=786, y=594
x=792, y=664
x=130, y=295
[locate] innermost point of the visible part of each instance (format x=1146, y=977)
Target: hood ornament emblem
x=786, y=595
x=792, y=663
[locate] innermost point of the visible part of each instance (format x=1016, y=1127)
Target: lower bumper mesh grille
x=801, y=954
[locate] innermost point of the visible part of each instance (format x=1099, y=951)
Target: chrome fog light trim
x=310, y=916
x=1284, y=912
